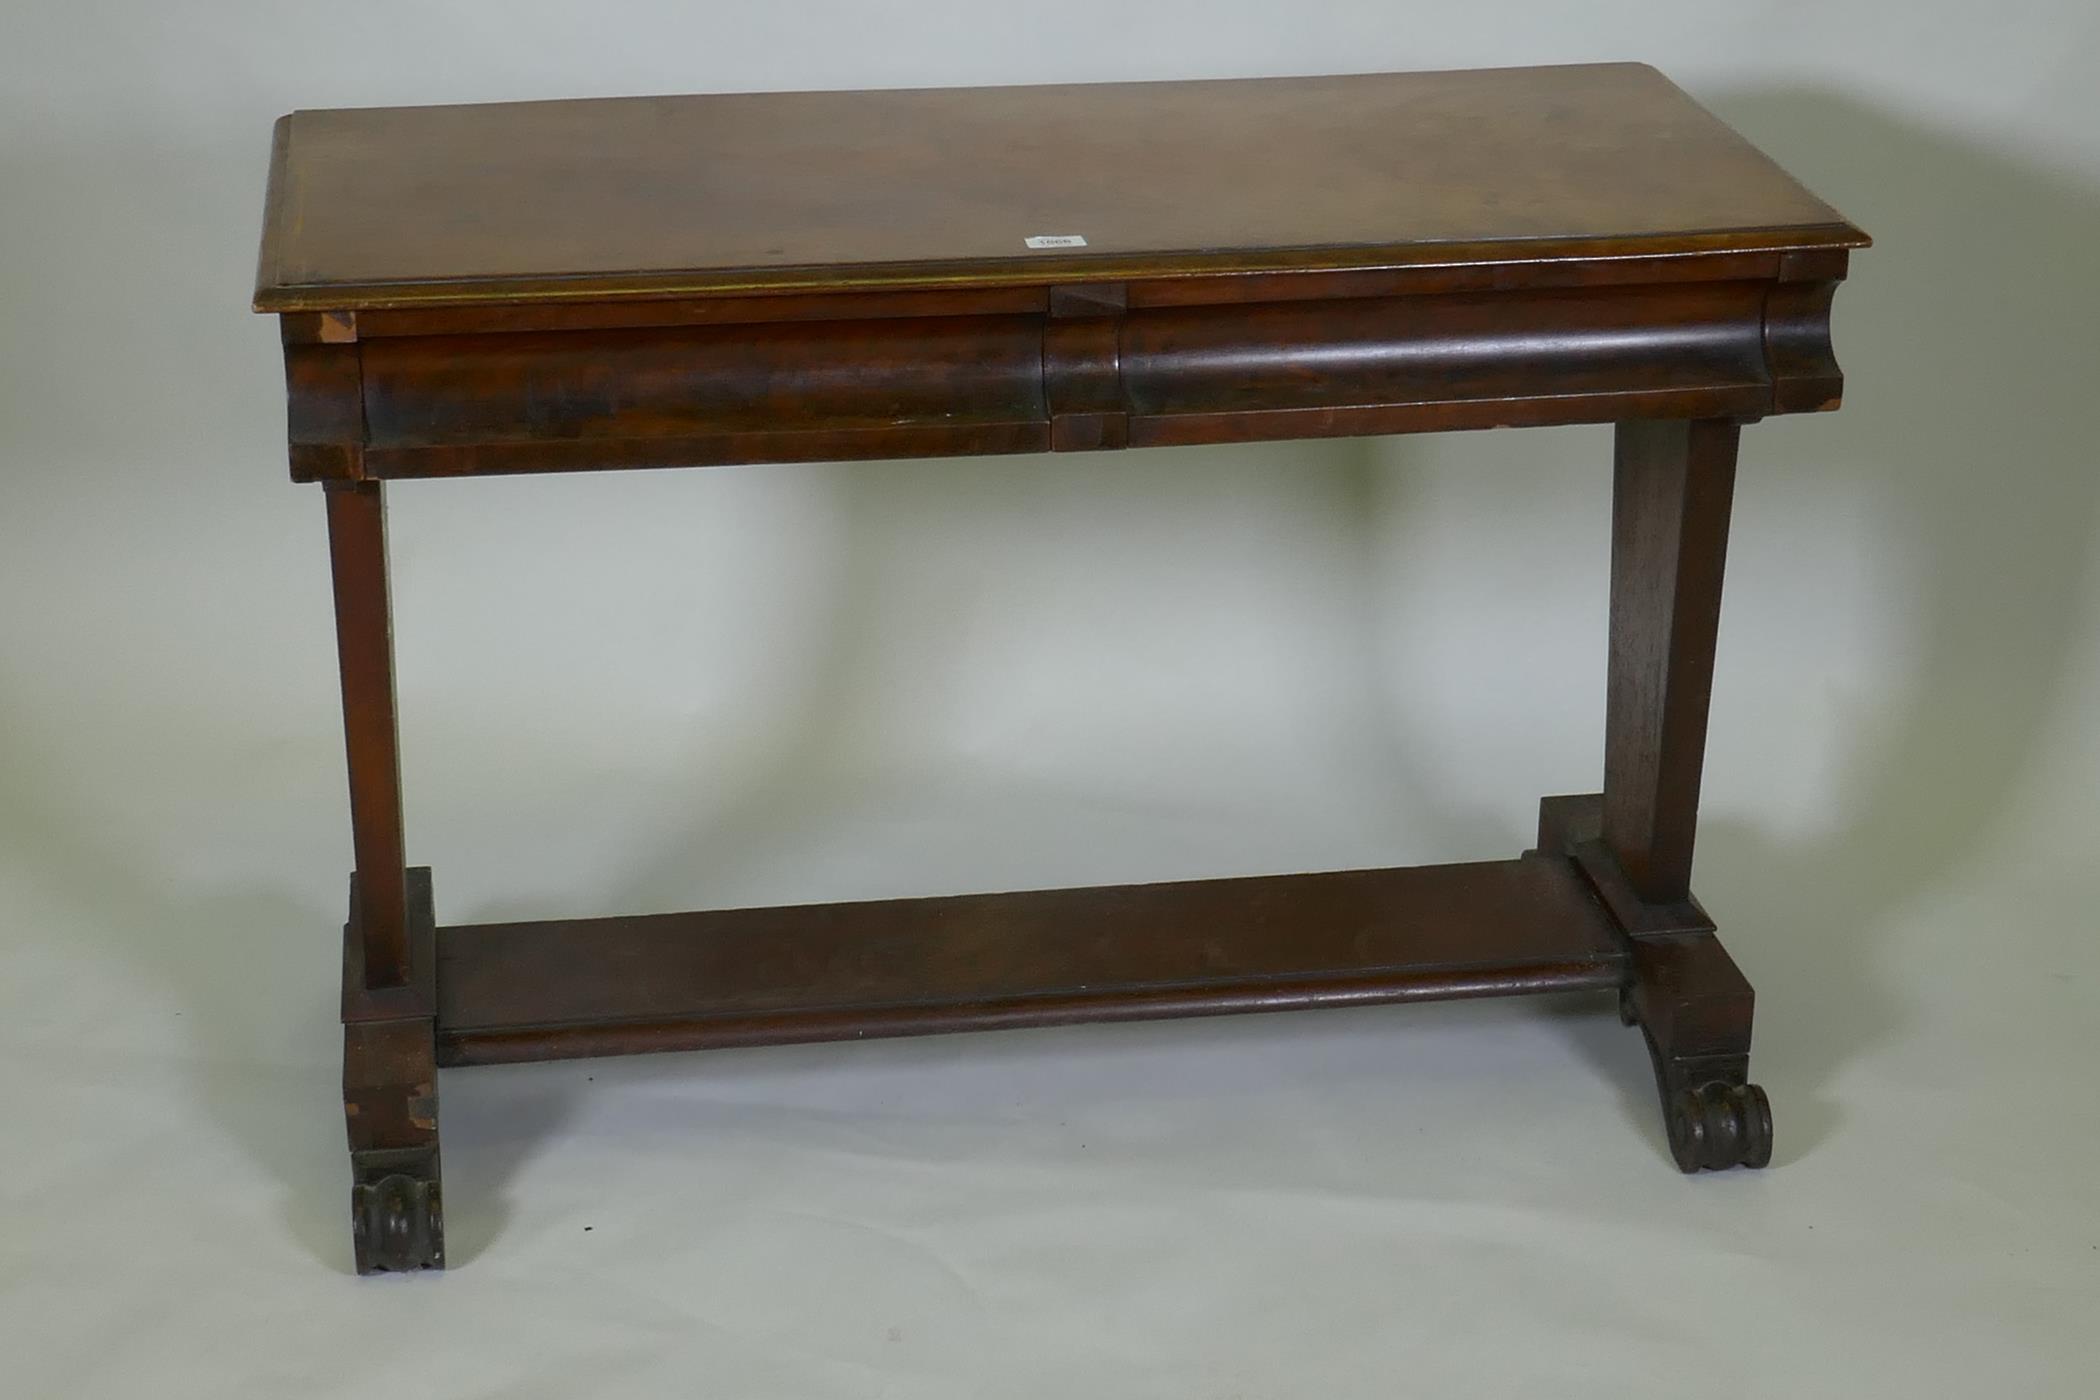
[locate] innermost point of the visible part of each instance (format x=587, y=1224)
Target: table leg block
x=390, y=1106
x=390, y=1099
x=1692, y=1003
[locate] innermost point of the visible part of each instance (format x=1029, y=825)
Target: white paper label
x=1056, y=240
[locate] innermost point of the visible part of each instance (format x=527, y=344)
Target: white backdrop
x=729, y=687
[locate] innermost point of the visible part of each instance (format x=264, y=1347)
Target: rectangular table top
x=682, y=196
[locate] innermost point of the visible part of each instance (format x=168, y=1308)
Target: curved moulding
x=1088, y=372
x=919, y=386
x=1415, y=363
x=1805, y=374
x=324, y=417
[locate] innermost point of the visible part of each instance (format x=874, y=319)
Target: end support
x=1691, y=1001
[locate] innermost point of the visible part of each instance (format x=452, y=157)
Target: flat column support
x=364, y=639
x=1672, y=485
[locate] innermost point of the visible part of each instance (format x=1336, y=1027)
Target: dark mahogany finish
x=965, y=962
x=667, y=282
x=1101, y=374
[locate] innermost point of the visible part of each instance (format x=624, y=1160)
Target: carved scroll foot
x=1719, y=1125
x=397, y=1215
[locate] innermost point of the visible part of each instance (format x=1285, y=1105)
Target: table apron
x=1103, y=373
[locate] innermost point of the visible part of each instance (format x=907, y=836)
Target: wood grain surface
x=661, y=196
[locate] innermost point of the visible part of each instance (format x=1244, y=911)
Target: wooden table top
x=679, y=196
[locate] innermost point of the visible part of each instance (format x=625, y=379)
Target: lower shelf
x=572, y=987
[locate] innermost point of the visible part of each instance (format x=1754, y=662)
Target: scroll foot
x=397, y=1216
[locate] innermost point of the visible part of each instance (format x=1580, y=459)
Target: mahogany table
x=687, y=281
